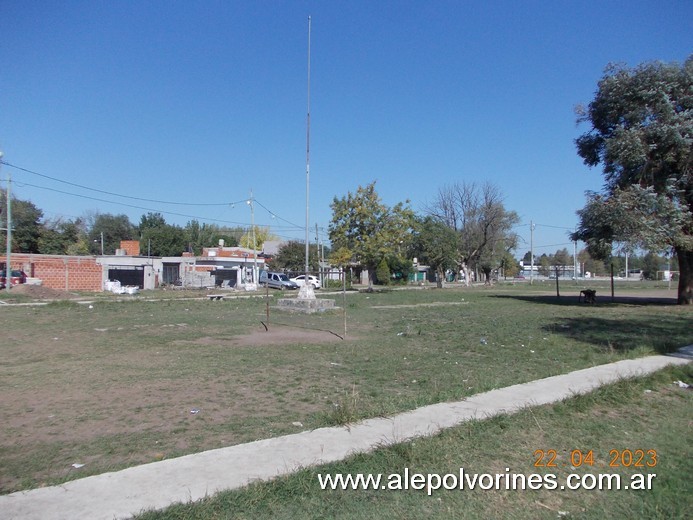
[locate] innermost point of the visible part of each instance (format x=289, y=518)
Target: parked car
x=16, y=277
x=313, y=280
x=276, y=280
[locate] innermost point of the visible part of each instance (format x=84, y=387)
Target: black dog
x=589, y=294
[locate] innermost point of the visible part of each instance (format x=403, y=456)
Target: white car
x=313, y=280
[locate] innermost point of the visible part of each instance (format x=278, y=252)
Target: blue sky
x=201, y=102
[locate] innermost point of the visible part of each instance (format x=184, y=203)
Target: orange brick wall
x=132, y=247
x=66, y=273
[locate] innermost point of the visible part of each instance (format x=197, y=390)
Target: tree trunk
x=440, y=277
x=467, y=273
x=685, y=276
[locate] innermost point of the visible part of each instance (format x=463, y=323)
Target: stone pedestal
x=305, y=305
x=306, y=292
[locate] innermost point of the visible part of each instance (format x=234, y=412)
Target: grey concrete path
x=153, y=486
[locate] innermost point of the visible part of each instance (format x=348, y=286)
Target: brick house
x=220, y=266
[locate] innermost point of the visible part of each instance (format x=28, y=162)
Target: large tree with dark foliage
x=113, y=229
x=641, y=134
x=157, y=238
x=436, y=245
x=26, y=225
x=292, y=257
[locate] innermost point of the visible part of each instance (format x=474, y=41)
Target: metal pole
x=252, y=227
x=102, y=243
x=308, y=159
x=531, y=252
x=8, y=258
x=626, y=265
x=575, y=262
x=669, y=269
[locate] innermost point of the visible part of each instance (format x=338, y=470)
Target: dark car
x=16, y=277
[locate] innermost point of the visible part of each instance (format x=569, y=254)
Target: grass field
x=646, y=414
x=117, y=383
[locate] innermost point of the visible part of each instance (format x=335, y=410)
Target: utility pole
x=252, y=227
x=8, y=261
x=317, y=253
x=626, y=264
x=575, y=262
x=531, y=251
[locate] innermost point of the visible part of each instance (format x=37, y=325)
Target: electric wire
x=291, y=225
x=118, y=194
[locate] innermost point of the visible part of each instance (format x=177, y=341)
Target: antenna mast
x=307, y=160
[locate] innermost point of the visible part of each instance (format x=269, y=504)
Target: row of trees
x=650, y=264
x=86, y=235
x=465, y=228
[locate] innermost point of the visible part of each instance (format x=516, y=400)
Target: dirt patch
x=39, y=292
x=278, y=335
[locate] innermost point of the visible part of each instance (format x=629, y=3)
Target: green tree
x=544, y=265
x=435, y=244
x=60, y=237
x=590, y=265
x=157, y=238
x=382, y=273
x=562, y=257
x=342, y=258
x=400, y=267
x=114, y=228
x=255, y=240
x=509, y=265
x=371, y=230
x=198, y=236
x=292, y=257
x=641, y=130
x=650, y=265
x=26, y=225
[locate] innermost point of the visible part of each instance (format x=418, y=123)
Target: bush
x=382, y=273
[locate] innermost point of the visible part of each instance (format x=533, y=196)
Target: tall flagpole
x=307, y=162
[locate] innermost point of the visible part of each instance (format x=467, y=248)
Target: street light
x=96, y=241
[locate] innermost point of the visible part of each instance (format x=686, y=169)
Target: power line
x=273, y=214
x=118, y=194
x=132, y=205
x=555, y=227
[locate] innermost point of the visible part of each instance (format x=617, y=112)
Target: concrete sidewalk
x=124, y=493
